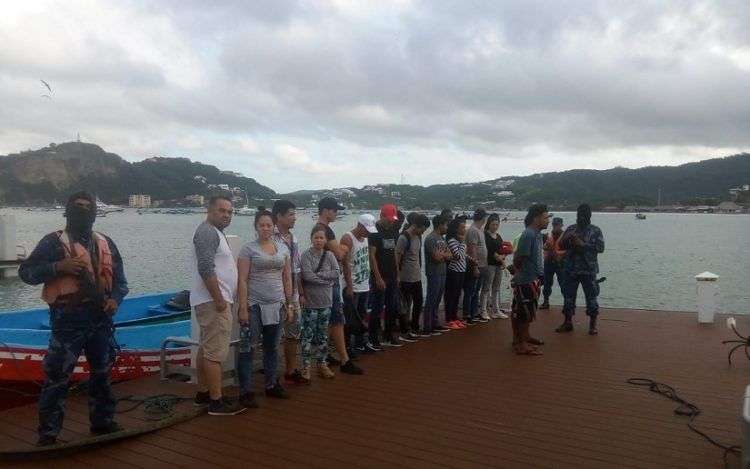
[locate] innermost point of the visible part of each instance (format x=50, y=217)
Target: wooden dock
x=464, y=400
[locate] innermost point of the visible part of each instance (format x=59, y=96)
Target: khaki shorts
x=215, y=330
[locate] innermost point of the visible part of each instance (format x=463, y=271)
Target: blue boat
x=141, y=322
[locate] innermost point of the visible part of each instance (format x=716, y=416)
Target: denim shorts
x=337, y=310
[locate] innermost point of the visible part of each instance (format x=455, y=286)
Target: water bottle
x=245, y=338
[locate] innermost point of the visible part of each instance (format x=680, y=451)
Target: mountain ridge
x=50, y=173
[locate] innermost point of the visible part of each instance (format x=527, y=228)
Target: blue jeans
x=73, y=332
x=570, y=292
x=435, y=290
x=472, y=288
x=271, y=335
x=552, y=268
x=355, y=311
x=389, y=299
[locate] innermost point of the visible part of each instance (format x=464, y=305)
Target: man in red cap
x=385, y=277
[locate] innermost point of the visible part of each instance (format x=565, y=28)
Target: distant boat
x=141, y=324
x=640, y=216
x=102, y=208
x=245, y=212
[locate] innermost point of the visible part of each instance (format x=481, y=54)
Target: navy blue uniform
x=581, y=267
x=84, y=328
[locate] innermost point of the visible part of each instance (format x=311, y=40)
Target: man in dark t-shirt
x=385, y=277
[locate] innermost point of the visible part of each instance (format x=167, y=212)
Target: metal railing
x=167, y=369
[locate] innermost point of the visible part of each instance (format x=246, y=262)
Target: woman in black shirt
x=493, y=275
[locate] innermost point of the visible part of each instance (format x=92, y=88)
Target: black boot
x=566, y=326
x=545, y=304
x=592, y=326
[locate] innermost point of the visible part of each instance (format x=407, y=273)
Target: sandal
x=534, y=341
x=529, y=351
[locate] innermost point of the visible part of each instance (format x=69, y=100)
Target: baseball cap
x=389, y=211
x=330, y=203
x=557, y=221
x=368, y=221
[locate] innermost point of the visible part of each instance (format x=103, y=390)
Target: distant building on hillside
x=196, y=199
x=737, y=191
x=504, y=194
x=139, y=201
x=729, y=207
x=200, y=179
x=503, y=183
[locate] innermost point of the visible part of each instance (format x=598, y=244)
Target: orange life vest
x=64, y=285
x=552, y=248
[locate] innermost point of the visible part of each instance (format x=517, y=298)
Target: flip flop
x=535, y=341
x=530, y=352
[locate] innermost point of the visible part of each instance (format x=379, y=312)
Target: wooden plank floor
x=464, y=400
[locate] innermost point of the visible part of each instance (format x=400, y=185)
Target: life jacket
x=552, y=248
x=64, y=285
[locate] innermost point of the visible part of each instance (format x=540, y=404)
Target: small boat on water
x=141, y=324
x=640, y=216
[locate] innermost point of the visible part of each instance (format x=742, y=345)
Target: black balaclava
x=583, y=216
x=80, y=221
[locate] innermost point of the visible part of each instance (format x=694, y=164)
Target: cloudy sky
x=314, y=94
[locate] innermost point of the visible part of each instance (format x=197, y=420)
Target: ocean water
x=649, y=264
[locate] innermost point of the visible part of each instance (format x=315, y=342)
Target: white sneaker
x=502, y=316
x=484, y=315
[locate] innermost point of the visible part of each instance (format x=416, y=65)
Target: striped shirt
x=458, y=249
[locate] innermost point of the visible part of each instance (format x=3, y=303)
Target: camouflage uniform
x=73, y=330
x=581, y=267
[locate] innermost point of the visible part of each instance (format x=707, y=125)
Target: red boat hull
x=20, y=364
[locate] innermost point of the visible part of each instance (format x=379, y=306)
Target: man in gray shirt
x=528, y=268
x=476, y=249
x=409, y=260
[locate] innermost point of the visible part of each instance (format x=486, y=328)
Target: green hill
x=706, y=181
x=51, y=173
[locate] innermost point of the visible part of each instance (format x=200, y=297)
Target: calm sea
x=648, y=263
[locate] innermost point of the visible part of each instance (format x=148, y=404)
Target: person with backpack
x=409, y=259
x=385, y=276
x=320, y=270
x=436, y=255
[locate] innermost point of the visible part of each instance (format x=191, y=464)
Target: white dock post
x=8, y=245
x=708, y=296
x=235, y=244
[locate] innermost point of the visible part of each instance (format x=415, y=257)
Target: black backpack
x=408, y=248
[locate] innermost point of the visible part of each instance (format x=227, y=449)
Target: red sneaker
x=453, y=325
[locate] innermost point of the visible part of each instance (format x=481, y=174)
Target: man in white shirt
x=213, y=295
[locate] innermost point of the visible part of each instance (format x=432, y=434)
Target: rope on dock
x=157, y=407
x=685, y=409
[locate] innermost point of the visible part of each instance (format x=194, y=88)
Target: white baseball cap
x=368, y=221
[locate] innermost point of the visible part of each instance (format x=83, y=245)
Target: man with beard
x=84, y=284
x=583, y=243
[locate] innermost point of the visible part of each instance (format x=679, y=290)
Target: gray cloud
x=343, y=87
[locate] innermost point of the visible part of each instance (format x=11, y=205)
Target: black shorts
x=525, y=302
